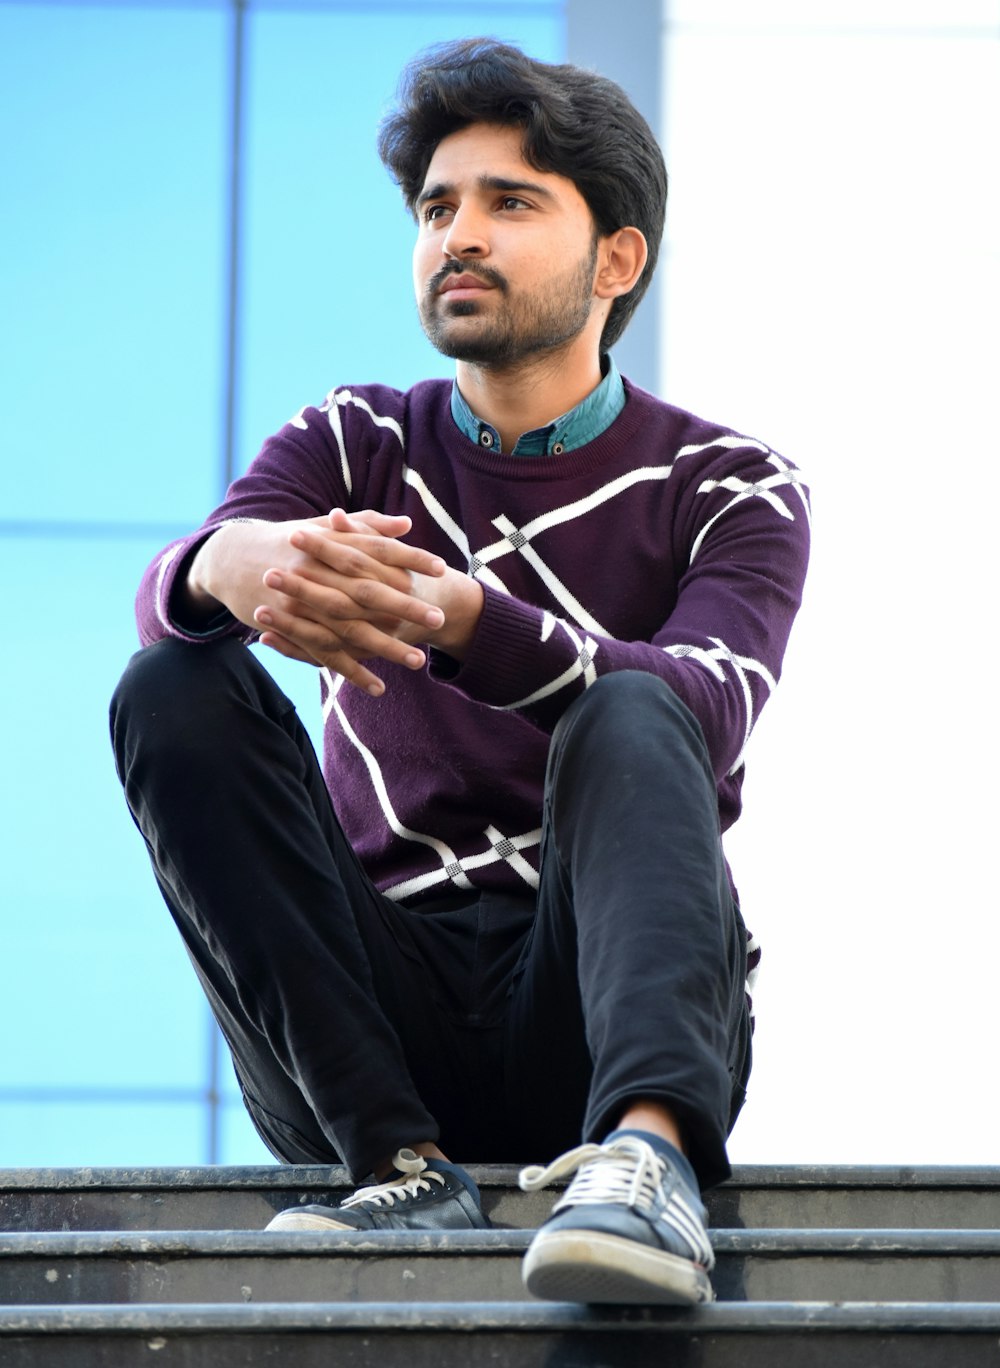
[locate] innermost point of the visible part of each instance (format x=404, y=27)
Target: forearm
x=530, y=661
x=323, y=594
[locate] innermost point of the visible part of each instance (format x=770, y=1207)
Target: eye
x=513, y=202
x=434, y=211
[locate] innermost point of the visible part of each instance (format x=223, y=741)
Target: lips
x=462, y=282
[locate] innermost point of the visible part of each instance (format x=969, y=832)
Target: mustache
x=486, y=273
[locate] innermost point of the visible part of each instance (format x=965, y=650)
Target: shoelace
x=415, y=1180
x=629, y=1171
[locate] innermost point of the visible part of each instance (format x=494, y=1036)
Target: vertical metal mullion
x=212, y=1096
x=234, y=225
x=628, y=51
x=235, y=211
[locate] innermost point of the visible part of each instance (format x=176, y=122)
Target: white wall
x=831, y=284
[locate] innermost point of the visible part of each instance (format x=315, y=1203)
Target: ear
x=621, y=258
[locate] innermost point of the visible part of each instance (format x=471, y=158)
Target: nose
x=466, y=235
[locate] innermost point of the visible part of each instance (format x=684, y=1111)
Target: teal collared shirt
x=575, y=429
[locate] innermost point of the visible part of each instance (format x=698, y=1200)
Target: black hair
x=575, y=123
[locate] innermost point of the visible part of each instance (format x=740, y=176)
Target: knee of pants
x=627, y=709
x=176, y=692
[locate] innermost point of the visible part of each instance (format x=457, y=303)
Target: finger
x=286, y=648
x=359, y=555
x=339, y=663
x=370, y=519
x=353, y=552
x=374, y=599
x=360, y=639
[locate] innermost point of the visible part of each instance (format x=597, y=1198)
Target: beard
x=519, y=328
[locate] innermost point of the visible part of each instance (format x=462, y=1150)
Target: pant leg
x=633, y=983
x=296, y=949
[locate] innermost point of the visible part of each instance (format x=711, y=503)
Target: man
x=546, y=610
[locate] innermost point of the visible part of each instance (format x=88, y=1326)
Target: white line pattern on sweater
x=795, y=479
x=334, y=683
x=345, y=397
x=567, y=512
x=449, y=526
x=742, y=665
x=507, y=848
x=161, y=573
x=518, y=540
x=337, y=428
x=450, y=861
x=747, y=489
x=586, y=651
x=452, y=868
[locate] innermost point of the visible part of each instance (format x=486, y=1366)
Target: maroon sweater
x=667, y=544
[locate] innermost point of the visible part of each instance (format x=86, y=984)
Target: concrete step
x=503, y=1335
x=473, y=1266
x=214, y=1198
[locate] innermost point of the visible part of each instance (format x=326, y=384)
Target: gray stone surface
x=430, y=1335
x=852, y=1268
x=246, y=1198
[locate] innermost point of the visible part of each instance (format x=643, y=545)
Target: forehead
x=489, y=151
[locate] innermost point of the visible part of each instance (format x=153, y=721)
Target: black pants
x=504, y=1028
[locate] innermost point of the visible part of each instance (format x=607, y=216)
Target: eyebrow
x=442, y=189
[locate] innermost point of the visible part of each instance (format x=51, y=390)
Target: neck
x=529, y=393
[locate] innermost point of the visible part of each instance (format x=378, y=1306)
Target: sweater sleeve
x=741, y=546
x=295, y=476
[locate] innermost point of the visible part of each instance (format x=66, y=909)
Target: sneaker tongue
x=666, y=1150
x=443, y=1166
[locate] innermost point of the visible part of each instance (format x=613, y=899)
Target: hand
x=458, y=595
x=329, y=591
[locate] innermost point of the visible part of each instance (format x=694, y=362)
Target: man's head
x=570, y=122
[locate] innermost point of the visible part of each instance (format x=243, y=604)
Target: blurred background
x=196, y=239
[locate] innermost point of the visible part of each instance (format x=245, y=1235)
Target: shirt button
x=558, y=448
x=486, y=439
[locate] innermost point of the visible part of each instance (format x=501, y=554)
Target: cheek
x=422, y=267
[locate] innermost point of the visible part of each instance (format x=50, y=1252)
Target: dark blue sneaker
x=425, y=1194
x=630, y=1227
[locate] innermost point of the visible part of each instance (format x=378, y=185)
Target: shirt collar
x=591, y=416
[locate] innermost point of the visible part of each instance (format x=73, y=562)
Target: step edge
x=309, y=1177
x=491, y=1317
x=760, y=1241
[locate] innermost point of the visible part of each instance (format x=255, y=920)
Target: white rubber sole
x=305, y=1220
x=590, y=1266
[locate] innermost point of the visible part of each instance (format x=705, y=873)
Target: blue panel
x=113, y=294
x=102, y=993
x=112, y=245
x=239, y=1143
x=329, y=298
x=120, y=1134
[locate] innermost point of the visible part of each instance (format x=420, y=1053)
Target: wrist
x=193, y=587
x=460, y=597
x=198, y=576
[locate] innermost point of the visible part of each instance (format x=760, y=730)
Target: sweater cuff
x=170, y=577
x=502, y=664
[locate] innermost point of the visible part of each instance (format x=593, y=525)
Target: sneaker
x=630, y=1227
x=426, y=1194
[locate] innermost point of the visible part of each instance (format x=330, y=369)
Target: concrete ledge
x=491, y=1335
